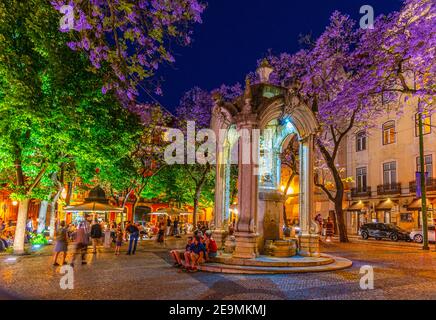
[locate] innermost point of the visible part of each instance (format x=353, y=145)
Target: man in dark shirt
x=198, y=254
x=176, y=227
x=133, y=231
x=96, y=234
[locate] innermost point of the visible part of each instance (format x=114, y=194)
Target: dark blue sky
x=235, y=33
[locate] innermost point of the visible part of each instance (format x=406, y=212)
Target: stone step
x=338, y=264
x=268, y=261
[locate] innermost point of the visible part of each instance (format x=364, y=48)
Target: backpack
x=212, y=246
x=96, y=231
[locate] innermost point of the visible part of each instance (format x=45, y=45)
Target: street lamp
x=423, y=184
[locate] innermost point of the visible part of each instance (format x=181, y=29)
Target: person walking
x=119, y=240
x=176, y=227
x=96, y=234
x=114, y=231
x=61, y=244
x=133, y=232
x=81, y=241
x=161, y=232
x=329, y=227
x=169, y=224
x=107, y=236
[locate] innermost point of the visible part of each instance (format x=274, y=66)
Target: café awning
x=356, y=206
x=385, y=205
x=416, y=204
x=93, y=207
x=168, y=211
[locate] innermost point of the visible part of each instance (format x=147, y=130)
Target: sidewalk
x=384, y=242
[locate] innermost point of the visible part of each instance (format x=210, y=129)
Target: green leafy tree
x=53, y=115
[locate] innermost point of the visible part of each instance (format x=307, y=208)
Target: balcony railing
x=386, y=189
x=430, y=185
x=360, y=192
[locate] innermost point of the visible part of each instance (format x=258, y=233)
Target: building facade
x=384, y=161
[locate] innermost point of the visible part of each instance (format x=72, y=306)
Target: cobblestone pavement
x=401, y=272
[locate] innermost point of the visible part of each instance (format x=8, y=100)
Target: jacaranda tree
x=349, y=76
x=131, y=37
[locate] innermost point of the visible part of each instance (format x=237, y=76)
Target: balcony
x=361, y=192
x=389, y=189
x=430, y=185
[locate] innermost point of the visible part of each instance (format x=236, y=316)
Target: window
x=426, y=124
x=389, y=132
x=361, y=179
x=389, y=173
x=406, y=217
x=361, y=141
x=428, y=165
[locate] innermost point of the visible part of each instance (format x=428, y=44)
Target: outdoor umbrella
x=93, y=207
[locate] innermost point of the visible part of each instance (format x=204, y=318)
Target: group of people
x=177, y=227
x=199, y=249
x=6, y=236
x=166, y=227
x=84, y=234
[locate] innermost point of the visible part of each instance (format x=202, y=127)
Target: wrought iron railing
x=391, y=188
x=430, y=185
x=360, y=192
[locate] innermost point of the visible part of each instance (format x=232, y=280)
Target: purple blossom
x=143, y=29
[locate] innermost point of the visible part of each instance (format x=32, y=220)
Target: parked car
x=383, y=231
x=418, y=236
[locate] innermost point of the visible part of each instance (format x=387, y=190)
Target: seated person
x=177, y=253
x=196, y=256
x=211, y=246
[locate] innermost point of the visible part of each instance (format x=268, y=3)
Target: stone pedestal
x=309, y=245
x=220, y=237
x=246, y=245
x=271, y=202
x=281, y=248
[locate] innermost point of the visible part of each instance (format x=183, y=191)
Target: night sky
x=236, y=33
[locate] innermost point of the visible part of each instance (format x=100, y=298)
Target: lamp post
x=423, y=184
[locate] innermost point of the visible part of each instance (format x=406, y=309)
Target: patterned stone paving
x=401, y=272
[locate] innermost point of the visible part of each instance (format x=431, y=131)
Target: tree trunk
x=343, y=236
x=53, y=213
x=339, y=196
x=340, y=218
x=20, y=230
x=42, y=216
x=69, y=193
x=134, y=207
x=196, y=201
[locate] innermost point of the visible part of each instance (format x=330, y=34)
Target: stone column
x=309, y=243
x=226, y=208
x=219, y=233
x=246, y=244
